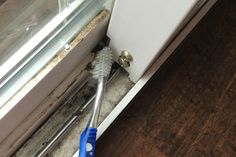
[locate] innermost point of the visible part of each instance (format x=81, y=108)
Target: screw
x=67, y=47
x=125, y=58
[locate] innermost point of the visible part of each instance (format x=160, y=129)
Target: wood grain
x=188, y=109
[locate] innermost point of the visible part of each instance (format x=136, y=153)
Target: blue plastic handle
x=91, y=134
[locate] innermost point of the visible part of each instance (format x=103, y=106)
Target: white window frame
x=40, y=83
x=42, y=47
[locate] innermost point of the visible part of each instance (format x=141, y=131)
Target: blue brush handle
x=91, y=139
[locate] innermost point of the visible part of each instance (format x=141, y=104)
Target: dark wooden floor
x=189, y=106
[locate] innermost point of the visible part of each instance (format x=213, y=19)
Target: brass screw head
x=125, y=58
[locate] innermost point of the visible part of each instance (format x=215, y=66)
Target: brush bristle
x=102, y=63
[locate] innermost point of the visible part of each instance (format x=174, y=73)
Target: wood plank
x=189, y=106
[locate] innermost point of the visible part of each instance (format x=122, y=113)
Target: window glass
x=20, y=20
x=32, y=32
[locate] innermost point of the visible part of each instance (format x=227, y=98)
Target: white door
x=144, y=28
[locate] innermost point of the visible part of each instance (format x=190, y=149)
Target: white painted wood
x=144, y=28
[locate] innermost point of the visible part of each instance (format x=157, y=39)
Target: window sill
x=39, y=96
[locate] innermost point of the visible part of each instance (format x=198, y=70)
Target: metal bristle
x=102, y=63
